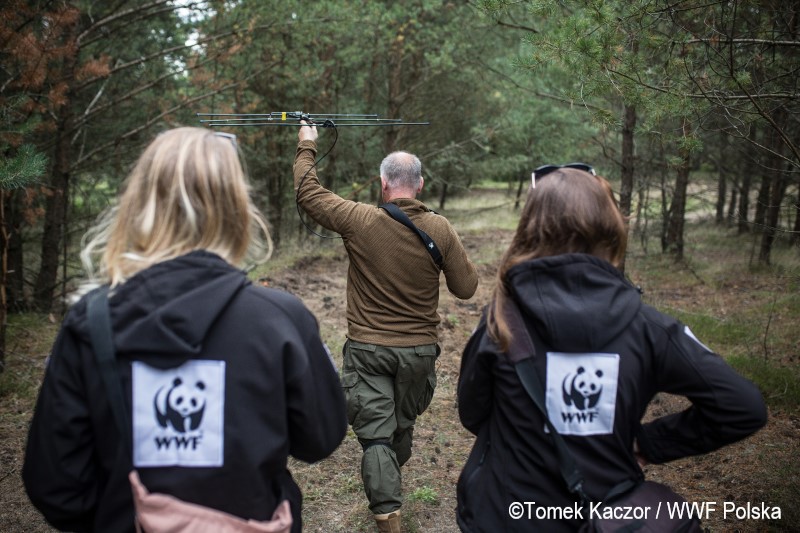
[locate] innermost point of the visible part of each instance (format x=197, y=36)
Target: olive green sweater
x=392, y=281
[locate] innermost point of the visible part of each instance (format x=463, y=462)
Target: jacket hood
x=576, y=301
x=168, y=309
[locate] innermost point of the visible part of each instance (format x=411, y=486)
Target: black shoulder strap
x=103, y=344
x=521, y=353
x=397, y=214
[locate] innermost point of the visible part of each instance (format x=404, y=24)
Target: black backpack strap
x=396, y=213
x=99, y=318
x=521, y=353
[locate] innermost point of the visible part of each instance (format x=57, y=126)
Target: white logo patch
x=178, y=414
x=690, y=334
x=582, y=392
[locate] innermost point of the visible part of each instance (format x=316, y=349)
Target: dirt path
x=745, y=473
x=749, y=472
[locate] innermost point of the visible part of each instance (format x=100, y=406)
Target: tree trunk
x=275, y=193
x=522, y=182
x=722, y=187
x=54, y=218
x=747, y=181
x=777, y=191
x=58, y=192
x=628, y=158
x=796, y=230
x=15, y=281
x=762, y=201
x=406, y=66
x=744, y=200
x=394, y=88
x=732, y=206
x=677, y=213
x=3, y=281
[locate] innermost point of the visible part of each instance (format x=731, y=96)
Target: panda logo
x=180, y=405
x=582, y=388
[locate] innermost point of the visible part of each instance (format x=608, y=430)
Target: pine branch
x=23, y=169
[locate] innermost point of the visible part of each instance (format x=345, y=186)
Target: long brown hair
x=569, y=211
x=188, y=191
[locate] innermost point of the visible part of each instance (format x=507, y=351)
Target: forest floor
x=741, y=474
x=762, y=468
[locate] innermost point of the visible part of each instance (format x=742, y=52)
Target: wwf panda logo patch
x=180, y=405
x=178, y=414
x=581, y=393
x=582, y=389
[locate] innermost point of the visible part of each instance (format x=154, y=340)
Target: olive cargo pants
x=386, y=388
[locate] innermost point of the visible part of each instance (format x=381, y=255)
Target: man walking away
x=390, y=354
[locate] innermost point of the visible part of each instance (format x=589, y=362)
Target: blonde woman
x=601, y=355
x=224, y=379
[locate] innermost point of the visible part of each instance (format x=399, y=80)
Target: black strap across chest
x=521, y=353
x=397, y=214
x=99, y=319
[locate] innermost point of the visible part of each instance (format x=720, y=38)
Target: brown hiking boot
x=388, y=523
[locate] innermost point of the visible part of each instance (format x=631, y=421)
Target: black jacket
x=274, y=392
x=583, y=315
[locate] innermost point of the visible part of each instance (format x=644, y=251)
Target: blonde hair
x=569, y=211
x=187, y=191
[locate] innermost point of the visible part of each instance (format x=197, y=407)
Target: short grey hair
x=402, y=170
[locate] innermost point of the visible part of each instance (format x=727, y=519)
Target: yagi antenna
x=293, y=118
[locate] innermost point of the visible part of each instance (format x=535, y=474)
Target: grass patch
x=785, y=492
x=288, y=253
x=29, y=340
x=424, y=495
x=493, y=185
x=747, y=313
x=482, y=210
x=780, y=385
x=728, y=335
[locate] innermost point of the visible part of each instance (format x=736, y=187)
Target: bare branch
x=138, y=90
x=158, y=117
x=505, y=24
x=516, y=26
x=701, y=96
x=769, y=96
x=149, y=123
x=713, y=42
x=119, y=15
x=166, y=51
